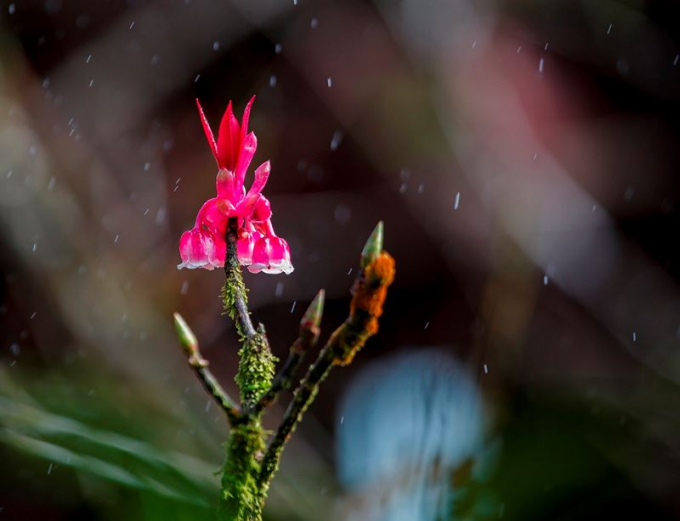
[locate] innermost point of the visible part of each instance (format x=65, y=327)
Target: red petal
x=208, y=132
x=246, y=118
x=229, y=139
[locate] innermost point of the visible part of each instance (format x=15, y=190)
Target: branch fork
x=251, y=462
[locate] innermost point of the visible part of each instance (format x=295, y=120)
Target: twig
x=200, y=366
x=309, y=334
x=369, y=292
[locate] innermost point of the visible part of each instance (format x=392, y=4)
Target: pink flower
x=257, y=247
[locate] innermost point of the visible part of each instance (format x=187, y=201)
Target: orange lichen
x=369, y=295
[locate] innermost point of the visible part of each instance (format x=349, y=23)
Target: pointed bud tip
x=185, y=334
x=373, y=247
x=314, y=311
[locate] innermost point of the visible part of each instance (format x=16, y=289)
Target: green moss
x=240, y=497
x=256, y=367
x=234, y=288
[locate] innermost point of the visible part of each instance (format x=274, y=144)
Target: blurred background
x=524, y=157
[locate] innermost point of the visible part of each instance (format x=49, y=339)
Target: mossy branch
x=250, y=464
x=309, y=334
x=369, y=292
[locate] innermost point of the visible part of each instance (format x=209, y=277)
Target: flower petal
x=200, y=249
x=246, y=118
x=261, y=176
x=228, y=139
x=213, y=216
x=245, y=155
x=279, y=257
x=208, y=132
x=271, y=255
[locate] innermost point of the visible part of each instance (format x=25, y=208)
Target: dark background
x=523, y=156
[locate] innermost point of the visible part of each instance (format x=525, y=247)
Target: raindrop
x=342, y=214
x=49, y=469
x=486, y=369
x=534, y=157
x=329, y=82
x=146, y=212
x=342, y=420
x=33, y=315
x=52, y=182
x=546, y=46
x=609, y=29
x=350, y=272
x=132, y=25
x=293, y=306
x=46, y=82
x=634, y=336
x=427, y=324
x=421, y=188
x=91, y=83
x=185, y=287
x=279, y=289
x=540, y=65
x=197, y=78
x=456, y=201
x=11, y=8
x=15, y=349
x=216, y=45
x=676, y=59
x=336, y=139
x=402, y=188
x=474, y=44
x=35, y=246
x=314, y=23
x=278, y=48
x=89, y=57
x=155, y=59
x=116, y=239
x=160, y=216
x=272, y=81
x=519, y=49
x=545, y=280
x=147, y=166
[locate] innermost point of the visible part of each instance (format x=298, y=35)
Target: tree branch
x=309, y=334
x=369, y=292
x=199, y=364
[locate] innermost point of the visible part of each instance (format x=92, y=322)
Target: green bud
x=312, y=317
x=374, y=246
x=185, y=335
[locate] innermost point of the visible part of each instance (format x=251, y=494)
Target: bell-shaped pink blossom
x=257, y=247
